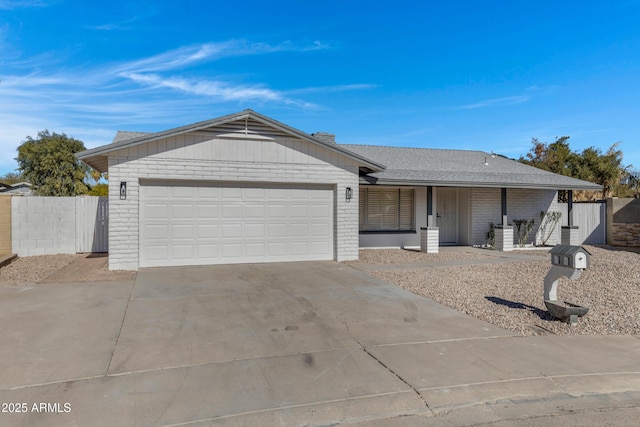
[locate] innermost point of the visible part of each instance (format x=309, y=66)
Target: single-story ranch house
x=246, y=188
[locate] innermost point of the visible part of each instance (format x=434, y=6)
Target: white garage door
x=227, y=224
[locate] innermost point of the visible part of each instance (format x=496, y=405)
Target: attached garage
x=241, y=188
x=187, y=223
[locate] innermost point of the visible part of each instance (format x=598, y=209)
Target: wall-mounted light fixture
x=123, y=190
x=349, y=194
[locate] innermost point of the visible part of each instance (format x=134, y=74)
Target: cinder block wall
x=5, y=224
x=43, y=225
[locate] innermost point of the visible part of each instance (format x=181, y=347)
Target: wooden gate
x=92, y=224
x=591, y=218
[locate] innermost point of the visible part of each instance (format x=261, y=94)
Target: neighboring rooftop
x=23, y=188
x=428, y=166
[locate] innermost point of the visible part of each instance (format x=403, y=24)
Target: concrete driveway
x=284, y=344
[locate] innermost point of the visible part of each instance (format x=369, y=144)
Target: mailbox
x=575, y=257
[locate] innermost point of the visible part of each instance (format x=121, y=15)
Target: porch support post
x=504, y=231
x=504, y=238
x=570, y=208
x=430, y=222
x=503, y=196
x=430, y=235
x=570, y=235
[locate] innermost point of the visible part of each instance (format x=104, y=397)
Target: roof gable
x=246, y=122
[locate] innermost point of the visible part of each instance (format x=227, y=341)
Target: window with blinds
x=386, y=209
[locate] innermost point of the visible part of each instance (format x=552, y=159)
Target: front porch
x=394, y=216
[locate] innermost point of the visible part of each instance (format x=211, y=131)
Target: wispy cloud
x=116, y=25
x=142, y=11
x=21, y=4
x=508, y=100
x=91, y=101
x=336, y=88
x=191, y=55
x=219, y=90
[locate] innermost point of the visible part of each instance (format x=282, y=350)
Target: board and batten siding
x=207, y=156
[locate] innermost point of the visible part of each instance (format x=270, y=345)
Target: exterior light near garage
x=349, y=193
x=123, y=190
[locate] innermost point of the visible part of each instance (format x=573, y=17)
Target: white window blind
x=386, y=209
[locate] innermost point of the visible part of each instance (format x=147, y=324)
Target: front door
x=447, y=218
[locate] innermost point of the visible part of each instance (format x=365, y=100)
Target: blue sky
x=456, y=74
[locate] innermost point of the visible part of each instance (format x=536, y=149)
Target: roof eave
x=386, y=181
x=99, y=163
x=108, y=148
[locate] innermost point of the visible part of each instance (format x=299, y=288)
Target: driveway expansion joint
x=124, y=317
x=367, y=352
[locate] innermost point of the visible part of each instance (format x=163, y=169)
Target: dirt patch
x=31, y=270
x=62, y=268
x=89, y=268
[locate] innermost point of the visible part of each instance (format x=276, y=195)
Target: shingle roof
x=459, y=168
x=124, y=135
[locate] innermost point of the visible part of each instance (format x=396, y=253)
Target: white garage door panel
x=181, y=225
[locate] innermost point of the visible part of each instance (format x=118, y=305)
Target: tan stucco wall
x=5, y=224
x=623, y=222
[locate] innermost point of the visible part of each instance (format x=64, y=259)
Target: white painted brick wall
x=43, y=225
x=486, y=207
x=429, y=240
x=123, y=214
x=504, y=238
x=527, y=204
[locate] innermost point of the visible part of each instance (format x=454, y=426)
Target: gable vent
x=247, y=127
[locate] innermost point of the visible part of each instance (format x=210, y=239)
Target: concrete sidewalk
x=287, y=344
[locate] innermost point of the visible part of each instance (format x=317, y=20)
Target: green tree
x=632, y=181
x=555, y=157
x=591, y=165
x=49, y=164
x=99, y=190
x=604, y=169
x=11, y=178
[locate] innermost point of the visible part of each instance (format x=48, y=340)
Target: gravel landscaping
x=510, y=294
x=31, y=270
x=399, y=256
